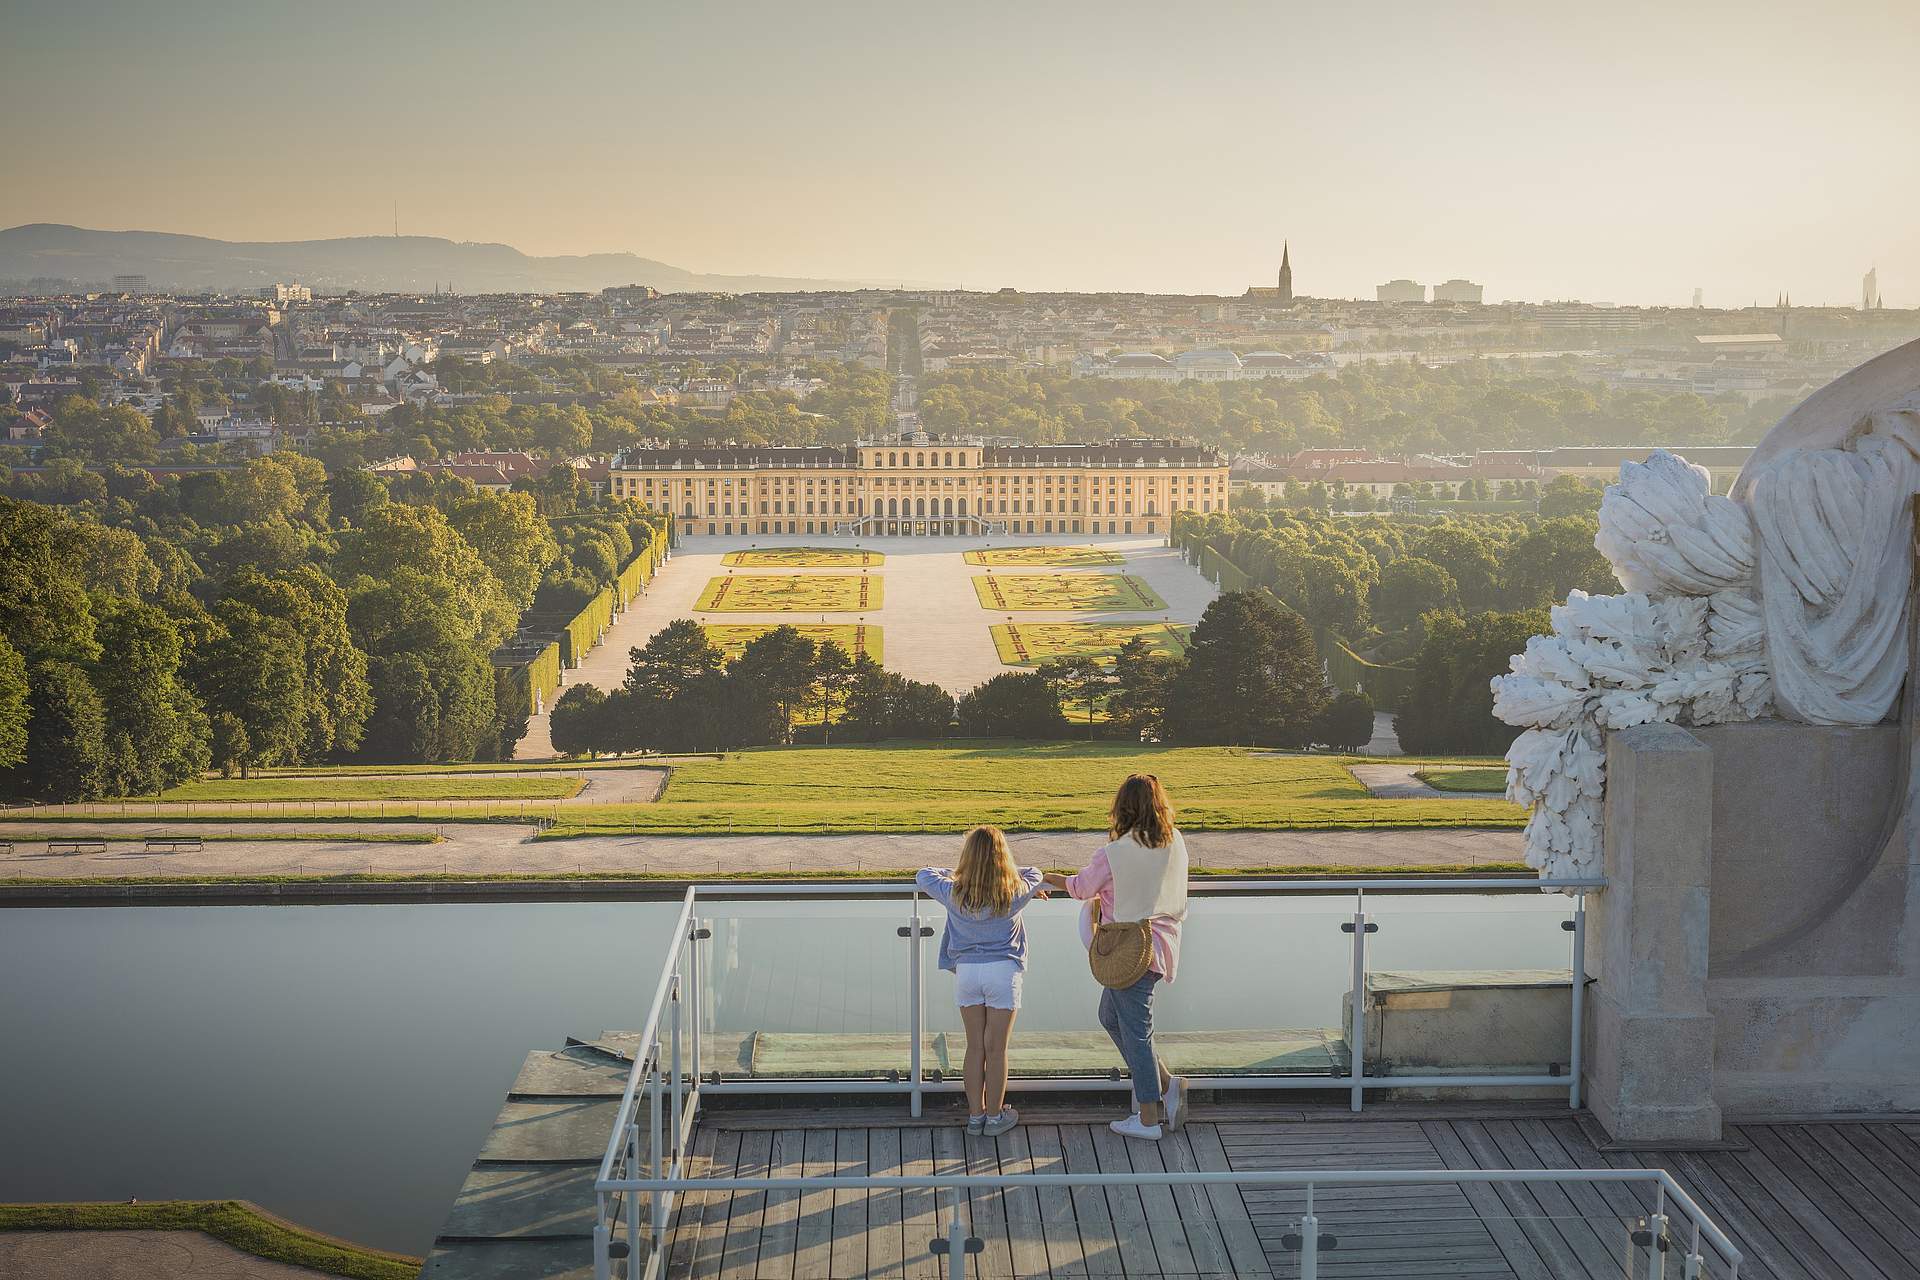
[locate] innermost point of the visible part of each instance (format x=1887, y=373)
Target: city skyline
x=1616, y=158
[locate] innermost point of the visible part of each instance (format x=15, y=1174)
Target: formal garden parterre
x=803, y=558
x=1042, y=557
x=854, y=637
x=1091, y=592
x=1028, y=644
x=791, y=593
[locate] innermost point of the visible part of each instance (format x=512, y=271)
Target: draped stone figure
x=1788, y=597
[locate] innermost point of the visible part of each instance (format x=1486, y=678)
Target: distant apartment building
x=132, y=283
x=1400, y=291
x=1458, y=291
x=287, y=293
x=922, y=485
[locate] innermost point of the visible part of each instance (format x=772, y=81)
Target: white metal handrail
x=660, y=1079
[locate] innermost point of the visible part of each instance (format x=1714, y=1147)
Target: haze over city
x=1630, y=154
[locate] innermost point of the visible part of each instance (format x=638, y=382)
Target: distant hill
x=373, y=264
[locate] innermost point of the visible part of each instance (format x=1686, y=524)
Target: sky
x=1623, y=152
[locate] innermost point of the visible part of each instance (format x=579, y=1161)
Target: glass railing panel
x=1460, y=984
x=1540, y=1228
x=805, y=989
x=1258, y=991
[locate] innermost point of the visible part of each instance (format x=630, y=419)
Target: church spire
x=1286, y=273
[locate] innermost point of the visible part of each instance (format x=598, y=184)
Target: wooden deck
x=1838, y=1201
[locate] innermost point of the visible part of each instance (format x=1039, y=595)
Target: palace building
x=921, y=485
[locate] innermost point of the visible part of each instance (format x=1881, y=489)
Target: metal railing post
x=1696, y=1261
x=633, y=1200
x=696, y=971
x=1578, y=1054
x=677, y=1108
x=1357, y=1019
x=916, y=1015
x=1310, y=1235
x=602, y=1259
x=957, y=1236
x=658, y=1224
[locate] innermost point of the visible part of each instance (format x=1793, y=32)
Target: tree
x=227, y=742
x=1334, y=602
x=1468, y=559
x=1567, y=495
x=1346, y=723
x=402, y=538
x=773, y=678
x=1251, y=676
x=1013, y=704
x=832, y=673
x=66, y=758
x=251, y=667
x=675, y=659
x=1554, y=559
x=337, y=697
x=1409, y=587
x=1449, y=706
x=577, y=723
x=156, y=732
x=1142, y=682
x=14, y=699
x=508, y=533
x=1079, y=681
x=44, y=610
x=82, y=429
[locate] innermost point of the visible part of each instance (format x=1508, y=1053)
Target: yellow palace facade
x=918, y=485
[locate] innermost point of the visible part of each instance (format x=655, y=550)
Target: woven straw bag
x=1121, y=953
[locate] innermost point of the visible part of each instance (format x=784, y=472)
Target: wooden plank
x=885, y=1209
x=1102, y=1246
x=749, y=1207
x=1025, y=1235
x=1163, y=1213
x=1562, y=1260
x=813, y=1244
x=848, y=1252
x=1516, y=1244
x=1598, y=1244
x=987, y=1208
x=692, y=1207
x=1129, y=1215
x=1871, y=1144
x=1610, y=1211
x=1873, y=1195
x=950, y=1157
x=1742, y=1209
x=1228, y=1209
x=920, y=1222
x=780, y=1225
x=1880, y=1176
x=1066, y=1256
x=710, y=1248
x=1846, y=1206
x=1204, y=1241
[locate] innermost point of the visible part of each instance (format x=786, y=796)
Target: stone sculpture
x=1788, y=597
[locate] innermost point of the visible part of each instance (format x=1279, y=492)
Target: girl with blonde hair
x=985, y=947
x=1139, y=875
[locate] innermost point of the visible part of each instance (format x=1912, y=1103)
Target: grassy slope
x=419, y=787
x=1040, y=787
x=233, y=1221
x=1464, y=779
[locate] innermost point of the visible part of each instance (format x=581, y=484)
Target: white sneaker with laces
x=1176, y=1101
x=1132, y=1128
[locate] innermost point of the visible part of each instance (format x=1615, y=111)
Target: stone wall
x=1755, y=953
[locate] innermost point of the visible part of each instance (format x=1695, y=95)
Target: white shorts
x=995, y=984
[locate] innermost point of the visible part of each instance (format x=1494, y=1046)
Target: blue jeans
x=1127, y=1014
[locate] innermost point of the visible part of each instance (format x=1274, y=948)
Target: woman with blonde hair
x=985, y=947
x=1138, y=876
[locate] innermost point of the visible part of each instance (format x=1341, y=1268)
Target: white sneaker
x=1132, y=1128
x=1175, y=1101
x=1000, y=1123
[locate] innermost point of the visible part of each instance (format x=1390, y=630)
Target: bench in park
x=174, y=844
x=77, y=846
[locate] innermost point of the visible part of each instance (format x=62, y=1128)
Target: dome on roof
x=1215, y=358
x=1141, y=360
x=1267, y=360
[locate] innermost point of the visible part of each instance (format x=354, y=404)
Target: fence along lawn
x=1039, y=787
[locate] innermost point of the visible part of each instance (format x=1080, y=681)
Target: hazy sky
x=1616, y=152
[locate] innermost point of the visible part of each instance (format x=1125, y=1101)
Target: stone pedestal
x=1650, y=1033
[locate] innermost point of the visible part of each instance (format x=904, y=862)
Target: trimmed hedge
x=1386, y=685
x=244, y=1226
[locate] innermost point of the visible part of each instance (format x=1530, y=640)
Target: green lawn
x=408, y=787
x=1464, y=779
x=242, y=1225
x=1039, y=787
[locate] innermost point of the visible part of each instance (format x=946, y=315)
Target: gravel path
x=1400, y=782
x=502, y=848
x=133, y=1255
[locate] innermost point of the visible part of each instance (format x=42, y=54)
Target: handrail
x=650, y=1030
x=1204, y=885
x=1670, y=1188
